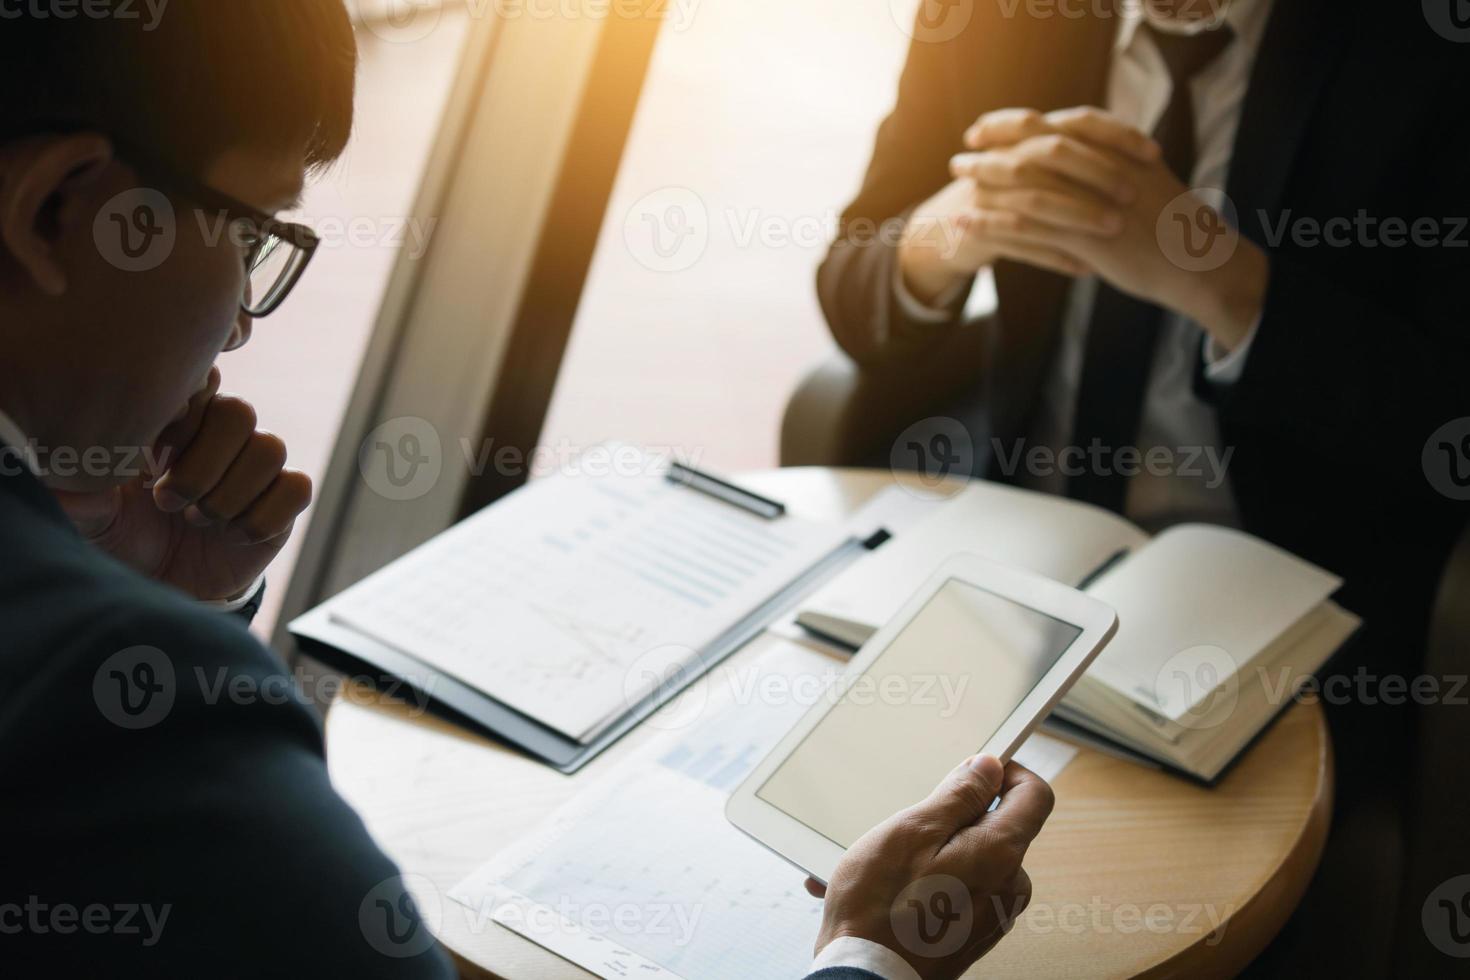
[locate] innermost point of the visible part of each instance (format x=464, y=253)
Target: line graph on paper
x=698, y=898
x=641, y=875
x=688, y=893
x=554, y=600
x=603, y=646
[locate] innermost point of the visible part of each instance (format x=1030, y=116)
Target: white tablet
x=972, y=663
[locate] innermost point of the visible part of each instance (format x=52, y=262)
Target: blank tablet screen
x=940, y=690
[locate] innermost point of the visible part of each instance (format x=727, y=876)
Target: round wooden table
x=1136, y=874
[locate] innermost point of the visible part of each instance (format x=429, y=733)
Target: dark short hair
x=202, y=77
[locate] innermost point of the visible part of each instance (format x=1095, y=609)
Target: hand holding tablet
x=931, y=875
x=1003, y=644
x=929, y=883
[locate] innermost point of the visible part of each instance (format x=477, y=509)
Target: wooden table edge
x=1276, y=898
x=1261, y=916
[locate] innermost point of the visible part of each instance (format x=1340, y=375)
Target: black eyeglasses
x=276, y=252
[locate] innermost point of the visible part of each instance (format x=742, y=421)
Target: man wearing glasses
x=155, y=822
x=213, y=486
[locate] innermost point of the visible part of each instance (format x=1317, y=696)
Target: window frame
x=470, y=336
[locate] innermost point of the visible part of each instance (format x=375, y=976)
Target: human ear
x=41, y=199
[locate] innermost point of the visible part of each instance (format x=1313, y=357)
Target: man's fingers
x=1075, y=159
x=1007, y=227
x=1044, y=258
x=1106, y=130
x=1058, y=209
x=181, y=431
x=1026, y=800
x=274, y=513
x=1006, y=127
x=249, y=476
x=1021, y=888
x=998, y=843
x=1039, y=180
x=228, y=473
x=815, y=888
x=226, y=428
x=1024, y=239
x=1063, y=156
x=964, y=796
x=986, y=169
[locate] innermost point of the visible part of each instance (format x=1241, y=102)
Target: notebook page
x=1196, y=605
x=1052, y=536
x=574, y=598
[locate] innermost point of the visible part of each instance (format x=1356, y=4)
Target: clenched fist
x=216, y=515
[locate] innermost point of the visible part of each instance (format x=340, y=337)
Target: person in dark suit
x=1088, y=161
x=1219, y=232
x=168, y=810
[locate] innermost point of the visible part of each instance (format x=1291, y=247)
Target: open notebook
x=1217, y=629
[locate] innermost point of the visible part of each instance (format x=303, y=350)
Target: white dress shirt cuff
x=235, y=605
x=919, y=312
x=1224, y=368
x=862, y=954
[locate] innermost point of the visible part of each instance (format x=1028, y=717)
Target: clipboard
x=320, y=634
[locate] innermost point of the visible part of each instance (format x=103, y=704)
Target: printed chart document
x=576, y=597
x=642, y=875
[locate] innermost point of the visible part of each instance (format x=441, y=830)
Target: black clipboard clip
x=723, y=490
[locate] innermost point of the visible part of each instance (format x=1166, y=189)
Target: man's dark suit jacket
x=1362, y=352
x=214, y=810
x=155, y=823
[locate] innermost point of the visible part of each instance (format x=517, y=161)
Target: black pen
x=713, y=486
x=1102, y=570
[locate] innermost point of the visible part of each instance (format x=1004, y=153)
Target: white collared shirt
x=1196, y=488
x=863, y=954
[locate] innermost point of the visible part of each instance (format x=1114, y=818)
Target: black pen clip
x=713, y=486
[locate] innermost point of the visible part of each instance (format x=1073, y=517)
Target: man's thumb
x=967, y=792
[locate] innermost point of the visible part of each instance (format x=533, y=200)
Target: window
x=752, y=128
x=699, y=314
x=301, y=364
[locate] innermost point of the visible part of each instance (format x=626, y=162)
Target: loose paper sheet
x=642, y=875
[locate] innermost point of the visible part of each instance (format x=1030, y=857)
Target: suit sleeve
x=910, y=163
x=1362, y=352
x=169, y=767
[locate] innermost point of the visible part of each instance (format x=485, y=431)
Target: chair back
x=1435, y=896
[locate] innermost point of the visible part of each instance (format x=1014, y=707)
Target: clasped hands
x=1080, y=192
